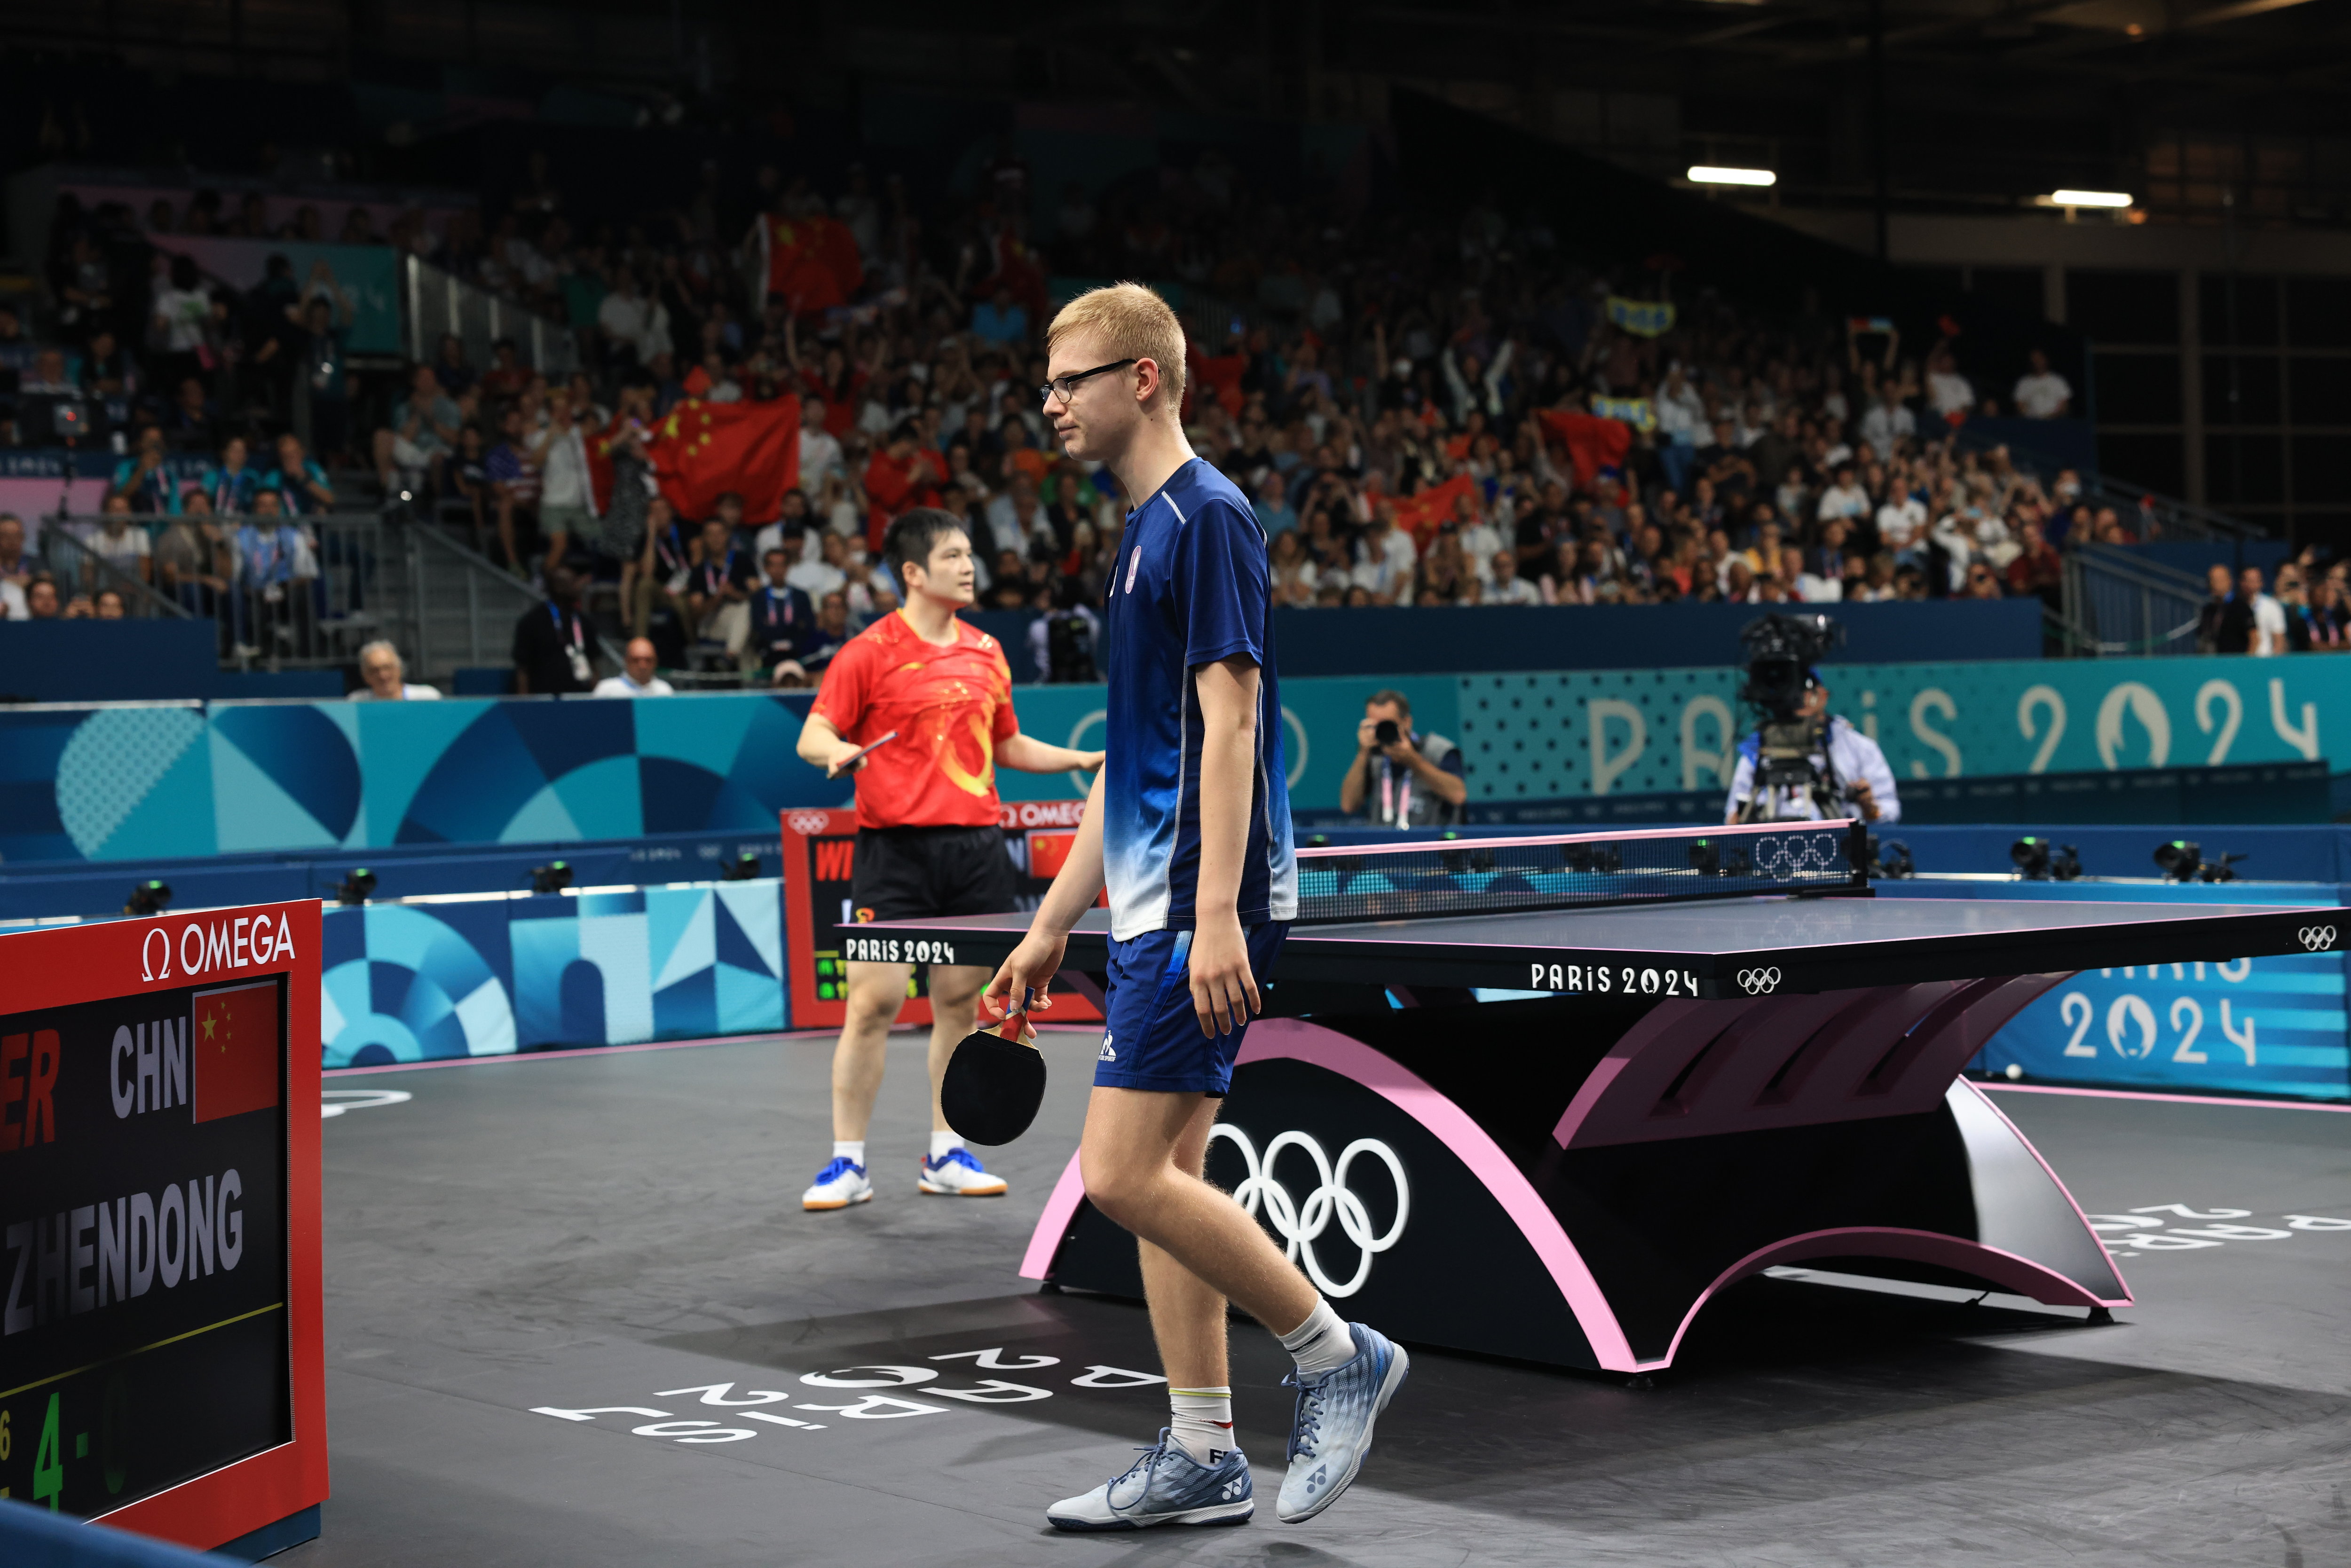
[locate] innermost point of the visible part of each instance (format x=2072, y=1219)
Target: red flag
x=894, y=486
x=812, y=262
x=703, y=449
x=234, y=1050
x=1419, y=514
x=1223, y=375
x=1593, y=443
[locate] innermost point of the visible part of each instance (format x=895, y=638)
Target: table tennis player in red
x=929, y=840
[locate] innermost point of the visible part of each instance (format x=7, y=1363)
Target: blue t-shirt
x=1192, y=587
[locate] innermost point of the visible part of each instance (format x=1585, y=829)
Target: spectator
x=274, y=564
x=230, y=484
x=189, y=422
x=821, y=455
x=2037, y=570
x=1273, y=510
x=18, y=565
x=2293, y=609
x=142, y=481
x=828, y=573
x=1506, y=586
x=719, y=589
x=554, y=647
x=1000, y=320
x=451, y=369
x=832, y=631
x=106, y=604
x=12, y=601
x=566, y=497
x=325, y=360
x=1982, y=582
x=120, y=542
x=423, y=431
x=783, y=623
x=299, y=481
x=41, y=599
x=2042, y=393
x=1889, y=420
x=181, y=323
x=512, y=472
x=2269, y=636
x=662, y=570
x=1385, y=558
x=383, y=678
x=507, y=376
x=637, y=677
x=2328, y=617
x=195, y=560
x=1401, y=778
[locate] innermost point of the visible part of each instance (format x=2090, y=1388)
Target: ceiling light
x=1700, y=175
x=2089, y=199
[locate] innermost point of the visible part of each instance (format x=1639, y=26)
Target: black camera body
x=1780, y=651
x=1385, y=733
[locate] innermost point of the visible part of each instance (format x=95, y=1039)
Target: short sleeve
x=1007, y=723
x=1221, y=582
x=842, y=698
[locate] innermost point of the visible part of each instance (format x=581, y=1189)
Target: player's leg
x=874, y=993
x=949, y=1169
x=1187, y=1321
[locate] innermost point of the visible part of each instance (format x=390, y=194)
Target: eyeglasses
x=1064, y=386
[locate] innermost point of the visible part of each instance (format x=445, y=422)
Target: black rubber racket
x=993, y=1083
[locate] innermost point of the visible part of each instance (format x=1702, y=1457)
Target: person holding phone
x=928, y=839
x=1402, y=778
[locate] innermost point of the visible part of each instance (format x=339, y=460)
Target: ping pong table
x=1605, y=1076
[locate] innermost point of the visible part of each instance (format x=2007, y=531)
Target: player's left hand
x=1224, y=991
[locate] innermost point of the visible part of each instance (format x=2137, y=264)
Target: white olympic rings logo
x=2317, y=938
x=1755, y=982
x=808, y=824
x=1778, y=857
x=1298, y=1224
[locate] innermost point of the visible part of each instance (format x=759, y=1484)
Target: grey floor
x=623, y=1230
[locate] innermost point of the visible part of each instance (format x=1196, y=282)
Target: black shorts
x=914, y=873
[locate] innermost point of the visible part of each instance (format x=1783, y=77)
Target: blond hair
x=1134, y=323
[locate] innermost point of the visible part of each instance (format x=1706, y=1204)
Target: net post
x=1857, y=849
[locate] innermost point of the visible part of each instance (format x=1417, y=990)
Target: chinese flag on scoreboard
x=233, y=1050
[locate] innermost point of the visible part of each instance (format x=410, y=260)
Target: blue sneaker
x=838, y=1186
x=1167, y=1486
x=958, y=1173
x=1331, y=1431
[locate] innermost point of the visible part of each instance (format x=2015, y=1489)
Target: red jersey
x=950, y=705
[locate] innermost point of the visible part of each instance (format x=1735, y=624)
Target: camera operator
x=1801, y=763
x=1402, y=778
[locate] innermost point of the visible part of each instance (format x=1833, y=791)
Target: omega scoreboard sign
x=162, y=1361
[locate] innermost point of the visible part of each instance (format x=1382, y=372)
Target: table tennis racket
x=994, y=1083
x=841, y=769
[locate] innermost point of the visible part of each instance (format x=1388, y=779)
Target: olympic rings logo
x=1755, y=982
x=2317, y=938
x=1300, y=1225
x=1797, y=852
x=808, y=824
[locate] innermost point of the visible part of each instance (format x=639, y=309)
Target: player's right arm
x=842, y=698
x=1032, y=965
x=821, y=747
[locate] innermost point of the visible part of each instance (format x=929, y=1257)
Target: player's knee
x=1113, y=1185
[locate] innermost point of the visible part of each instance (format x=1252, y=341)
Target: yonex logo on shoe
x=1106, y=1053
x=1232, y=1489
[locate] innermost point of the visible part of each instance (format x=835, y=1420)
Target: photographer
x=1801, y=764
x=1401, y=778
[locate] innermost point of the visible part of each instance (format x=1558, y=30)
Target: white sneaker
x=838, y=1186
x=958, y=1173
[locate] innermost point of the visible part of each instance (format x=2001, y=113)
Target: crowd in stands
x=1424, y=414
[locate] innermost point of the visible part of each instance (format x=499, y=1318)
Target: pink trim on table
x=2159, y=1094
x=1296, y=1039
x=1415, y=846
x=1054, y=1223
x=2021, y=1275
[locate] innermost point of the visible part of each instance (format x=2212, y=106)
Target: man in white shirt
x=2269, y=615
x=819, y=451
x=637, y=679
x=1503, y=583
x=826, y=574
x=1900, y=523
x=1947, y=391
x=1385, y=558
x=1888, y=421
x=380, y=669
x=2043, y=394
x=1845, y=498
x=566, y=497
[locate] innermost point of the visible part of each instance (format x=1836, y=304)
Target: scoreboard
x=160, y=1353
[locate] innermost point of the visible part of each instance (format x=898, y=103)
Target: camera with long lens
x=1779, y=653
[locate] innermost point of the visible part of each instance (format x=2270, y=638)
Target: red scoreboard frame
x=819, y=850
x=123, y=960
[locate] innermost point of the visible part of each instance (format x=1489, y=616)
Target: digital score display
x=149, y=1311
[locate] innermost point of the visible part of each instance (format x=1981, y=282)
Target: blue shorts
x=1151, y=1037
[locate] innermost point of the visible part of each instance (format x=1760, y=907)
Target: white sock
x=1201, y=1423
x=942, y=1142
x=852, y=1151
x=1321, y=1343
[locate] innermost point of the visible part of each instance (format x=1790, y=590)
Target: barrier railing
x=438, y=302
x=2117, y=603
x=82, y=573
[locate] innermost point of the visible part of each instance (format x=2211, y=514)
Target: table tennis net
x=1488, y=876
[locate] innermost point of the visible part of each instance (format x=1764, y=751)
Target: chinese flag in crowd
x=1221, y=375
x=1419, y=514
x=704, y=449
x=1593, y=443
x=899, y=484
x=233, y=1050
x=812, y=262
